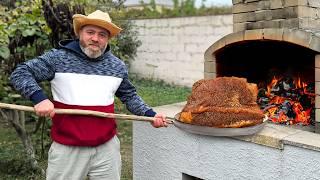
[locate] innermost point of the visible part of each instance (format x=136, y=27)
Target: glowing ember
x=287, y=101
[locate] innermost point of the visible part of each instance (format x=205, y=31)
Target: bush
x=180, y=9
x=31, y=26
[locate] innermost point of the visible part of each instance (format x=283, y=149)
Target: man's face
x=93, y=40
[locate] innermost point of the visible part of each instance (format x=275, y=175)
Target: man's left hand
x=159, y=121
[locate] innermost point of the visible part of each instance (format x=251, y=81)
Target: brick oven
x=271, y=38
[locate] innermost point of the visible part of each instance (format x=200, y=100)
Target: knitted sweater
x=78, y=82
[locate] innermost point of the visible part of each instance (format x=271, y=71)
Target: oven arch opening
x=261, y=54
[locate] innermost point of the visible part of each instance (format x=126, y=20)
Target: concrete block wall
x=173, y=49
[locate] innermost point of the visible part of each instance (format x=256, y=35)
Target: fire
x=273, y=82
x=287, y=101
x=300, y=84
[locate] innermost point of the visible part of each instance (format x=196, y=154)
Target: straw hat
x=97, y=18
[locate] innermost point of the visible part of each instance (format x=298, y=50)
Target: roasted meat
x=222, y=102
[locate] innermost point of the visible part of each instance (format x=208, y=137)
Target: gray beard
x=92, y=54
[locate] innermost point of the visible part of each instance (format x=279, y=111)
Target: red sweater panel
x=82, y=130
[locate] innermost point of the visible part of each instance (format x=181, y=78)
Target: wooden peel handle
x=84, y=112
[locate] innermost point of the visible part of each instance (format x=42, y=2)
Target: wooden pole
x=86, y=113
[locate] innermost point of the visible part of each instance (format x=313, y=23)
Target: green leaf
x=4, y=52
x=13, y=27
x=28, y=32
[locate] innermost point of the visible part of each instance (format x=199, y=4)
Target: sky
x=208, y=3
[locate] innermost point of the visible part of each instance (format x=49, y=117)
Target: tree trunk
x=17, y=120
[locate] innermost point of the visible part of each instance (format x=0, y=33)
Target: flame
x=273, y=82
x=299, y=84
x=301, y=115
x=288, y=109
x=282, y=117
x=277, y=100
x=271, y=111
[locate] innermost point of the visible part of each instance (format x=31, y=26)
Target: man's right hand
x=44, y=108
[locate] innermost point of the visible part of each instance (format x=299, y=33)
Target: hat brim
x=81, y=20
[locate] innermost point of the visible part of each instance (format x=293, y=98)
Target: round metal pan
x=212, y=131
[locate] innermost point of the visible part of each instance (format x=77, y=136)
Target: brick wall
x=173, y=49
x=259, y=14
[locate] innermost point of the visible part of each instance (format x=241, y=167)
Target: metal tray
x=212, y=131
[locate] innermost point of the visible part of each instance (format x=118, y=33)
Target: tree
x=27, y=29
x=181, y=8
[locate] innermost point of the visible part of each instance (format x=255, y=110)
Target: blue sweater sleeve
x=26, y=76
x=128, y=95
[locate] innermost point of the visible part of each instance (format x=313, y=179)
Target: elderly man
x=84, y=74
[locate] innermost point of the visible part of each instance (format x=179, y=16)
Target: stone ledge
x=271, y=135
x=277, y=136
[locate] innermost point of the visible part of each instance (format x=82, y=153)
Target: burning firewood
x=287, y=101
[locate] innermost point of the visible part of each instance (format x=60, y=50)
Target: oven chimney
x=290, y=14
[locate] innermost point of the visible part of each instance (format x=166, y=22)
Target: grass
x=13, y=164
